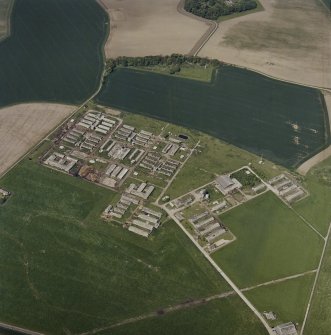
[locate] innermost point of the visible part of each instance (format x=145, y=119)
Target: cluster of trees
x=246, y=179
x=173, y=61
x=213, y=9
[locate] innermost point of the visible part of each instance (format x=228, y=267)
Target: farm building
x=145, y=222
x=286, y=329
x=287, y=188
x=4, y=193
x=61, y=161
x=227, y=185
x=142, y=191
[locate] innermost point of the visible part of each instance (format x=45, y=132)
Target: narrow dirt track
x=213, y=26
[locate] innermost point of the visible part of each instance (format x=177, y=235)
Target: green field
x=287, y=299
x=62, y=267
x=196, y=72
x=54, y=52
x=272, y=243
x=327, y=3
x=283, y=122
x=212, y=318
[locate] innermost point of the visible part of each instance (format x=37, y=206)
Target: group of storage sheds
x=145, y=221
x=287, y=189
x=207, y=226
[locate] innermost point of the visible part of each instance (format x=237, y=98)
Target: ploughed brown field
x=22, y=126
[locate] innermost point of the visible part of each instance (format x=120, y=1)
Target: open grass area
x=63, y=269
x=218, y=317
x=319, y=321
x=214, y=157
x=316, y=208
x=54, y=52
x=272, y=242
x=194, y=71
x=254, y=112
x=143, y=123
x=288, y=299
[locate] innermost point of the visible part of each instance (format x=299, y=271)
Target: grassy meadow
x=262, y=115
x=272, y=243
x=195, y=72
x=54, y=52
x=64, y=269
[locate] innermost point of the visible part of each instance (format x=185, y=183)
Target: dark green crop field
x=283, y=122
x=327, y=3
x=54, y=52
x=62, y=267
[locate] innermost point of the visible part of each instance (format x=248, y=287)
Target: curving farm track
x=213, y=26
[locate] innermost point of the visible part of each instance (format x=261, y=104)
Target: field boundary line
x=306, y=166
x=306, y=222
x=315, y=281
x=18, y=329
x=280, y=280
x=321, y=88
x=324, y=4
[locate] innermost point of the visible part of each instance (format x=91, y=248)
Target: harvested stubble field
x=68, y=271
x=54, y=52
x=144, y=27
x=22, y=126
x=283, y=122
x=289, y=40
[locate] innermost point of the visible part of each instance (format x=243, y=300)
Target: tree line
x=173, y=61
x=213, y=9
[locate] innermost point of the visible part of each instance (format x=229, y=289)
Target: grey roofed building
x=224, y=181
x=226, y=184
x=286, y=329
